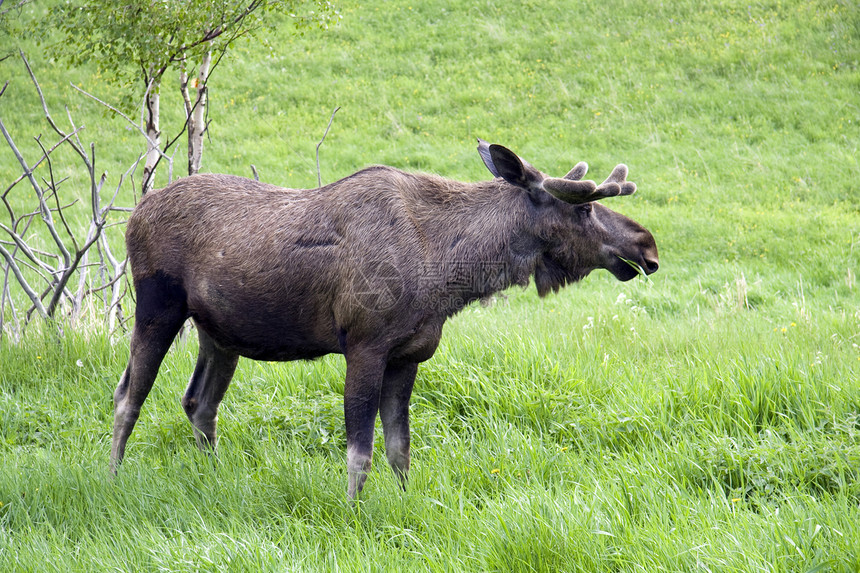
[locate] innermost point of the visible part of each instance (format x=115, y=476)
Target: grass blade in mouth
x=636, y=266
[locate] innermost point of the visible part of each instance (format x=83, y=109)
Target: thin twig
x=124, y=116
x=37, y=251
x=41, y=272
x=16, y=327
x=53, y=186
x=19, y=241
x=34, y=213
x=39, y=162
x=112, y=282
x=46, y=213
x=331, y=119
x=78, y=149
x=31, y=294
x=20, y=4
x=24, y=259
x=68, y=272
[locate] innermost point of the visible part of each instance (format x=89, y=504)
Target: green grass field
x=706, y=420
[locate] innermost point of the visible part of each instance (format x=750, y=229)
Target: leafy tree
x=11, y=26
x=138, y=41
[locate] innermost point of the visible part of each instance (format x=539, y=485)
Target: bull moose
x=370, y=267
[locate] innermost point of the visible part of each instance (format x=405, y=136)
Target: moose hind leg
x=364, y=371
x=212, y=375
x=397, y=386
x=160, y=312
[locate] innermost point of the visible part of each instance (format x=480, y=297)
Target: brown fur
x=369, y=266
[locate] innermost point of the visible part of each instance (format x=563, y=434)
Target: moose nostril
x=651, y=266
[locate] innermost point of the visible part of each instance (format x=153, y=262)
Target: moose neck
x=480, y=238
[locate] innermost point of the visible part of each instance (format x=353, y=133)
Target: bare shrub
x=54, y=267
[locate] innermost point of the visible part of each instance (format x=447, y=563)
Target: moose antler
x=504, y=163
x=571, y=188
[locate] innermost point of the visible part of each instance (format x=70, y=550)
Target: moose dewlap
x=370, y=267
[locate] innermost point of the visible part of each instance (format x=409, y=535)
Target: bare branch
x=331, y=119
x=31, y=294
x=95, y=188
x=37, y=212
x=110, y=205
x=39, y=252
x=53, y=186
x=59, y=292
x=78, y=149
x=46, y=213
x=20, y=4
x=112, y=283
x=43, y=158
x=44, y=272
x=6, y=295
x=27, y=171
x=58, y=268
x=122, y=115
x=23, y=246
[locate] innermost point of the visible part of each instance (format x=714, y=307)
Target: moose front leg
x=394, y=410
x=364, y=372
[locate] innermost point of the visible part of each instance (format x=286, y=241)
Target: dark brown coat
x=369, y=267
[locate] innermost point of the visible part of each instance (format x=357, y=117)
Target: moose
x=369, y=266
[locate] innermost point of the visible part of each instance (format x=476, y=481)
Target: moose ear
x=484, y=151
x=514, y=170
x=504, y=163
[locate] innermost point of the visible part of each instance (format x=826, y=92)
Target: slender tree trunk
x=196, y=112
x=153, y=134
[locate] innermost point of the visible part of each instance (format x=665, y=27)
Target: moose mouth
x=626, y=269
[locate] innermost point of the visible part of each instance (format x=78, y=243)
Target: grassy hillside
x=705, y=420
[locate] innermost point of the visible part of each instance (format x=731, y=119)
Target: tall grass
x=707, y=420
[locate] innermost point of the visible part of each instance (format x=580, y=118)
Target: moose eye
x=584, y=209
